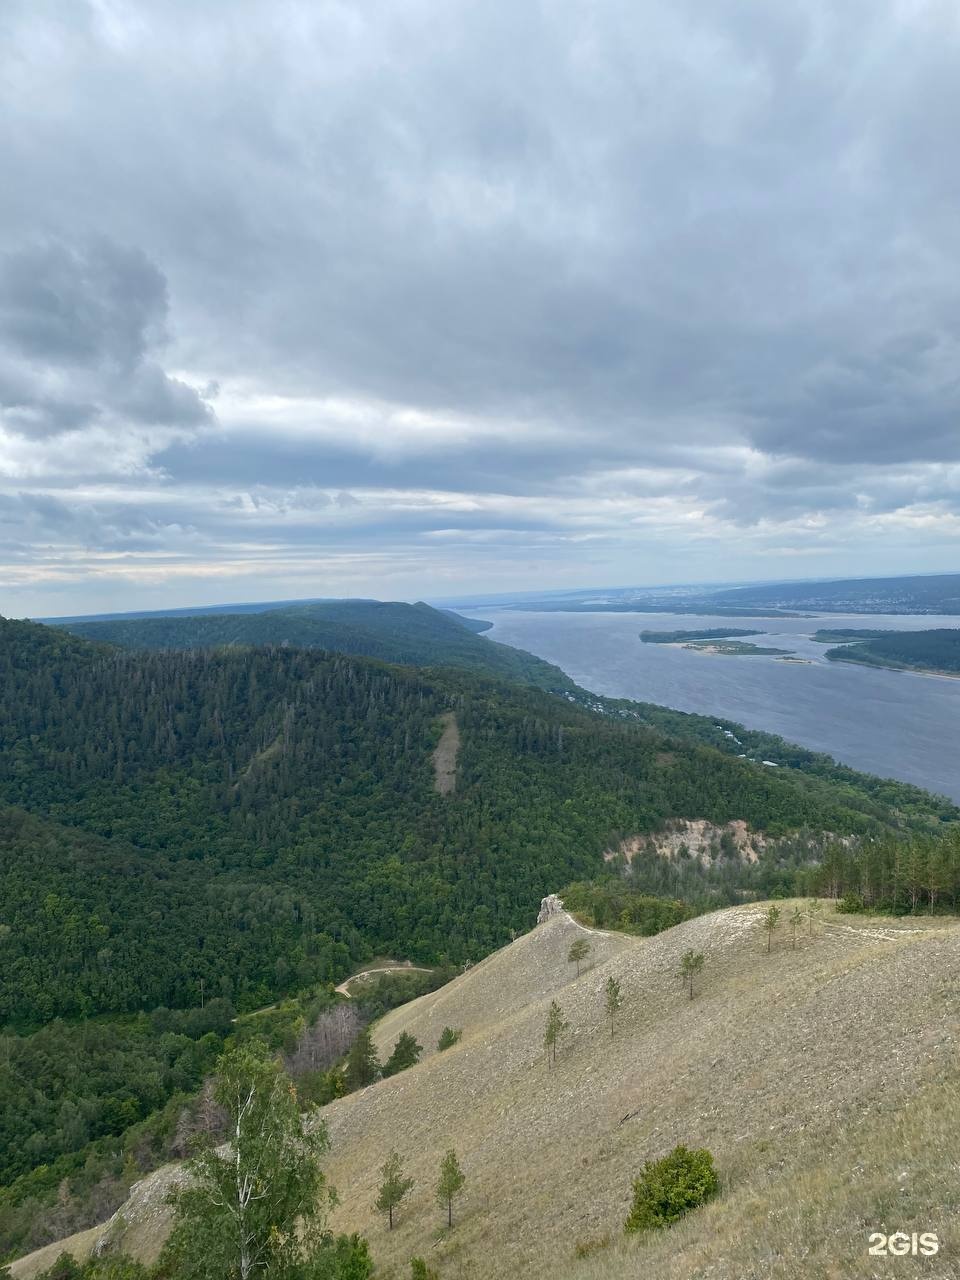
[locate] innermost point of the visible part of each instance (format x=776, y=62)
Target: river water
x=893, y=723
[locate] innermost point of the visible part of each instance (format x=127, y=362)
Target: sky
x=423, y=299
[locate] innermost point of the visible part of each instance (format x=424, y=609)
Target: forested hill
x=258, y=819
x=412, y=634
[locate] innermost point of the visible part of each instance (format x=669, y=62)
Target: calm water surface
x=892, y=723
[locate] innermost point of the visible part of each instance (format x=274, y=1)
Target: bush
x=671, y=1187
x=850, y=904
x=420, y=1271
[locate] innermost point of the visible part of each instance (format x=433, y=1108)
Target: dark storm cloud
x=693, y=264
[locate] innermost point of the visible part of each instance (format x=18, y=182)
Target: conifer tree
x=691, y=963
x=393, y=1186
x=770, y=920
x=363, y=1066
x=556, y=1026
x=450, y=1183
x=448, y=1038
x=614, y=1000
x=579, y=950
x=796, y=919
x=406, y=1053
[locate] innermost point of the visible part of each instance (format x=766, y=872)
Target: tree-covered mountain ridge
x=259, y=820
x=393, y=631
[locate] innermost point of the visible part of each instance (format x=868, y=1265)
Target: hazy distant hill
x=413, y=634
x=913, y=594
x=920, y=594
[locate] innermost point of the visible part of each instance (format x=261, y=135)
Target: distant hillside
x=412, y=634
x=827, y=1119
x=935, y=650
x=938, y=593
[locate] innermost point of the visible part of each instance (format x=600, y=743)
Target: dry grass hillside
x=824, y=1079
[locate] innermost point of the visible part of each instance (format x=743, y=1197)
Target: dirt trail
x=387, y=968
x=445, y=755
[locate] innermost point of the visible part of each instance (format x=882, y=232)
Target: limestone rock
x=551, y=905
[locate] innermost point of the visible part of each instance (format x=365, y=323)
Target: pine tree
x=393, y=1186
x=614, y=1001
x=770, y=921
x=556, y=1026
x=796, y=919
x=448, y=1038
x=363, y=1066
x=406, y=1053
x=691, y=963
x=579, y=950
x=450, y=1183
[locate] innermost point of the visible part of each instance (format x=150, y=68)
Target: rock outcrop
x=551, y=905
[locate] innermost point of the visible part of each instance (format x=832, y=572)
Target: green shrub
x=671, y=1187
x=448, y=1038
x=850, y=904
x=420, y=1271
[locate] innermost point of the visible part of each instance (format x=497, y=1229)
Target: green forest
x=934, y=650
x=410, y=634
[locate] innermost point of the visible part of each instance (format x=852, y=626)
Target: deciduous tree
x=579, y=950
x=259, y=1208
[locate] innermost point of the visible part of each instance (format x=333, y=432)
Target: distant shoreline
x=903, y=670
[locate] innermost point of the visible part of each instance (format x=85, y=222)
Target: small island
x=679, y=637
x=722, y=640
x=736, y=648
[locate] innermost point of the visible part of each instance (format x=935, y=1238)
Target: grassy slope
x=823, y=1079
x=392, y=631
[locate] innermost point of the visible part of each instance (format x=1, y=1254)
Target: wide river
x=893, y=723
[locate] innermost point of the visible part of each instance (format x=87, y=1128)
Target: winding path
x=387, y=968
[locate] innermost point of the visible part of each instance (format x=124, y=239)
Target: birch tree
x=256, y=1207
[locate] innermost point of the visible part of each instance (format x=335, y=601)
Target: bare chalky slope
x=822, y=1077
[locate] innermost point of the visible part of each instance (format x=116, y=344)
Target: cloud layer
x=316, y=298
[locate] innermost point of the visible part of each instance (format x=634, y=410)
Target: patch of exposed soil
x=445, y=755
x=698, y=838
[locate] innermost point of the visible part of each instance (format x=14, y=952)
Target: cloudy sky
x=413, y=298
